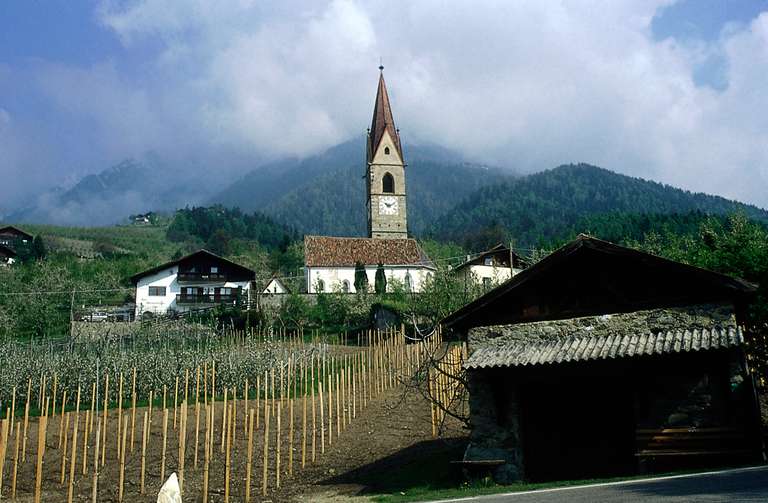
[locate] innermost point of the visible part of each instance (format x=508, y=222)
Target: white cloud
x=526, y=85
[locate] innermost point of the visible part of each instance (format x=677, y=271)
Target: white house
x=331, y=263
x=275, y=287
x=492, y=267
x=198, y=281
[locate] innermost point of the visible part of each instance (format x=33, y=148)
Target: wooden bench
x=690, y=442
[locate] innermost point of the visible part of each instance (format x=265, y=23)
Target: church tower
x=385, y=172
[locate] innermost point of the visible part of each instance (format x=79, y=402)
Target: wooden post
x=26, y=422
x=278, y=445
x=258, y=396
x=224, y=420
x=122, y=459
x=15, y=460
x=165, y=443
x=61, y=422
x=95, y=484
x=119, y=415
x=133, y=407
x=144, y=435
x=250, y=457
x=330, y=409
x=207, y=447
x=175, y=402
x=104, y=426
x=322, y=420
x=304, y=431
x=41, y=435
x=290, y=438
x=85, y=440
x=6, y=425
x=245, y=407
x=64, y=450
x=265, y=465
x=182, y=445
x=71, y=489
x=339, y=412
x=228, y=454
x=93, y=406
x=197, y=413
x=55, y=388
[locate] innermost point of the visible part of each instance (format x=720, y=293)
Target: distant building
x=275, y=287
x=331, y=263
x=7, y=256
x=200, y=280
x=15, y=238
x=491, y=267
x=601, y=360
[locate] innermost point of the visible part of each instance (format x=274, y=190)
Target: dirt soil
x=389, y=439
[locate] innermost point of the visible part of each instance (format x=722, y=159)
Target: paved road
x=748, y=484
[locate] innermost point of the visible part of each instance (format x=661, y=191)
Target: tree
x=361, y=278
x=38, y=248
x=380, y=283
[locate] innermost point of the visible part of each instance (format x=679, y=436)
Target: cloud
x=528, y=85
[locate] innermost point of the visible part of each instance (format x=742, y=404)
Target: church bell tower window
x=388, y=184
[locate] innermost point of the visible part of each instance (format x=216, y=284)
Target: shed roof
x=324, y=251
x=650, y=332
x=499, y=250
x=589, y=276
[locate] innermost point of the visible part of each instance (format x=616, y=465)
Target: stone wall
x=495, y=433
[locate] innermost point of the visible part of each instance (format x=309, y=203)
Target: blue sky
x=659, y=89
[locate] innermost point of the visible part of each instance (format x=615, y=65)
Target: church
x=331, y=263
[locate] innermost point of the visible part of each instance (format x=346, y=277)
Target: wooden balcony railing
x=198, y=277
x=206, y=299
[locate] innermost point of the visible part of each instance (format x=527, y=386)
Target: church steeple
x=385, y=172
x=382, y=119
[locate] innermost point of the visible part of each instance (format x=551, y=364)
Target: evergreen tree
x=38, y=248
x=380, y=284
x=361, y=278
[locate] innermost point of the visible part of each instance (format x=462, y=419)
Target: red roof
x=322, y=251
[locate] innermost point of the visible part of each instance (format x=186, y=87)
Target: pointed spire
x=382, y=118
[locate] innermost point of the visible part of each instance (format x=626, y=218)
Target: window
x=408, y=285
x=190, y=290
x=320, y=285
x=488, y=261
x=388, y=184
x=487, y=282
x=345, y=286
x=157, y=291
x=214, y=269
x=386, y=150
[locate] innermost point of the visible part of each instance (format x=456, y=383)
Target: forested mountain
x=546, y=206
x=325, y=194
x=215, y=227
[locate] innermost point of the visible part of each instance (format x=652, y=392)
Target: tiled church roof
x=323, y=251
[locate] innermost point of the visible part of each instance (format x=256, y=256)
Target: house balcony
x=200, y=278
x=206, y=299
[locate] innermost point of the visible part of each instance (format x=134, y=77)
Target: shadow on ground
x=425, y=464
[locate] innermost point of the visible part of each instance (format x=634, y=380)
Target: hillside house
x=15, y=238
x=491, y=267
x=7, y=256
x=601, y=360
x=331, y=263
x=197, y=281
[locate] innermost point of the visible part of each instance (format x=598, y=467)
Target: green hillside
x=546, y=206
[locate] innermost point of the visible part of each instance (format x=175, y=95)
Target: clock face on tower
x=388, y=205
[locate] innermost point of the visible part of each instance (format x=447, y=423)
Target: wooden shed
x=601, y=360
